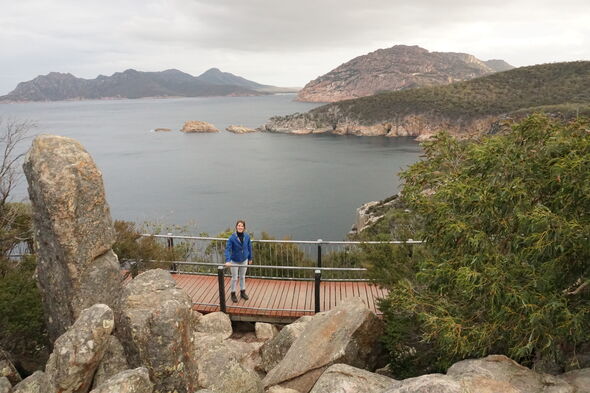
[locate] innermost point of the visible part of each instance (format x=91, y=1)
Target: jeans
x=238, y=269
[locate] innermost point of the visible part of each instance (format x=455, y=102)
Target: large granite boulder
x=579, y=379
x=432, y=383
x=346, y=334
x=217, y=323
x=77, y=353
x=5, y=385
x=7, y=368
x=38, y=382
x=274, y=350
x=112, y=363
x=128, y=381
x=265, y=331
x=73, y=231
x=155, y=328
x=347, y=379
x=221, y=368
x=195, y=126
x=499, y=373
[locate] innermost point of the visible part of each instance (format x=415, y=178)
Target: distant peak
x=213, y=70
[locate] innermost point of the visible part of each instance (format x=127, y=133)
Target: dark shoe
x=243, y=295
x=234, y=298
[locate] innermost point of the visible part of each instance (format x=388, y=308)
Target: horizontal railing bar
x=344, y=269
x=409, y=241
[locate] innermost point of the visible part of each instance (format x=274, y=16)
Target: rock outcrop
x=239, y=129
x=73, y=231
x=499, y=373
x=128, y=381
x=346, y=334
x=112, y=363
x=155, y=328
x=216, y=323
x=274, y=350
x=38, y=382
x=195, y=126
x=396, y=68
x=344, y=378
x=77, y=353
x=7, y=368
x=5, y=385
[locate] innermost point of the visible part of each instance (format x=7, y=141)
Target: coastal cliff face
x=397, y=68
x=419, y=125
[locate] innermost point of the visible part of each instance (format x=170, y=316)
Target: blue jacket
x=236, y=251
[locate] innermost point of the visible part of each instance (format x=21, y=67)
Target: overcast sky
x=277, y=42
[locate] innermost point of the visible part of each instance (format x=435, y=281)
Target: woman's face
x=240, y=227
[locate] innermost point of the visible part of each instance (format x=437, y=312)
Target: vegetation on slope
x=500, y=93
x=506, y=263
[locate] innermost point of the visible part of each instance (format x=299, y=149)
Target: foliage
x=22, y=327
x=148, y=252
x=506, y=263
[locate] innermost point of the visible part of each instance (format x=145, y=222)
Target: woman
x=238, y=255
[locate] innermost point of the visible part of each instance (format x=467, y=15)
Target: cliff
x=396, y=68
x=463, y=107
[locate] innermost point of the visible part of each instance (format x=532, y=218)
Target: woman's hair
x=241, y=221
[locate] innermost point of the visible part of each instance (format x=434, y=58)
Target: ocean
x=307, y=187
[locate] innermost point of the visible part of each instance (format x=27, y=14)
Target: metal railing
x=273, y=259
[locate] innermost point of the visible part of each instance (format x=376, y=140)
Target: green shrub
x=506, y=263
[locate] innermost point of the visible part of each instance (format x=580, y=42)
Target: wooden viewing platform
x=275, y=300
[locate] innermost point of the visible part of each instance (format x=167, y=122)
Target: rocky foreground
x=150, y=340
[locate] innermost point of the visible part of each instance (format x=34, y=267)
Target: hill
x=397, y=68
x=459, y=107
x=57, y=86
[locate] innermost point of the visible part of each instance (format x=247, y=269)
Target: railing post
x=319, y=260
x=170, y=246
x=221, y=282
x=318, y=277
x=410, y=248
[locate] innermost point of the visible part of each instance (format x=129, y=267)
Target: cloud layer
x=275, y=42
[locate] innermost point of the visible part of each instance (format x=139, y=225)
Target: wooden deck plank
x=268, y=296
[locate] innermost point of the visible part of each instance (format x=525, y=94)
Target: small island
x=195, y=126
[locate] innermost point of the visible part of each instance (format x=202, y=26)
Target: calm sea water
x=308, y=187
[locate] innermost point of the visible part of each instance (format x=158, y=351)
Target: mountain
x=498, y=65
x=473, y=106
x=397, y=68
x=57, y=86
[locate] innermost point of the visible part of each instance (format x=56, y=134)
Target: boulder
x=240, y=129
x=77, y=353
x=499, y=373
x=128, y=381
x=194, y=126
x=155, y=328
x=348, y=334
x=73, y=231
x=38, y=382
x=220, y=368
x=265, y=331
x=162, y=130
x=5, y=385
x=579, y=379
x=274, y=350
x=7, y=369
x=280, y=389
x=217, y=323
x=112, y=363
x=431, y=383
x=347, y=379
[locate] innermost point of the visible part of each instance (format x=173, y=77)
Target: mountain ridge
x=397, y=68
x=131, y=84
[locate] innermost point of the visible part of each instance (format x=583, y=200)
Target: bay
x=304, y=186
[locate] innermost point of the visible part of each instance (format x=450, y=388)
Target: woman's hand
x=250, y=262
